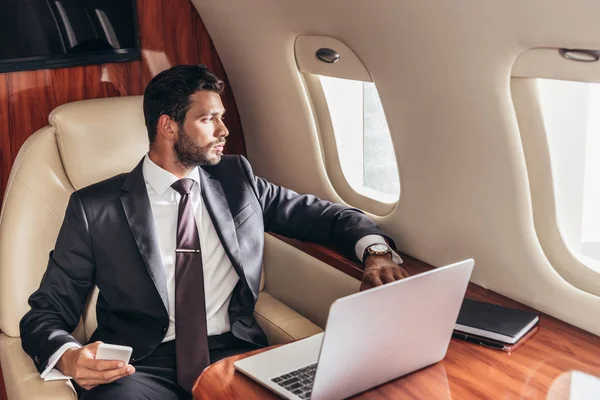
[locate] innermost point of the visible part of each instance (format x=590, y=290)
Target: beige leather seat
x=86, y=142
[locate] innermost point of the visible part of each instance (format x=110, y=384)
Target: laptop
x=371, y=337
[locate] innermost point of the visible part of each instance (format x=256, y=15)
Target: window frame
x=330, y=154
x=568, y=263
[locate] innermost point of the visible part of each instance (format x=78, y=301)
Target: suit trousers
x=155, y=376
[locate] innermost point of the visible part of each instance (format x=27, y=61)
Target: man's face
x=201, y=139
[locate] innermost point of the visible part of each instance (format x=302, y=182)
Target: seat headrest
x=100, y=138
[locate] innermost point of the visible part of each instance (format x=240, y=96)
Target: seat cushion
x=280, y=323
x=22, y=380
x=100, y=138
x=32, y=213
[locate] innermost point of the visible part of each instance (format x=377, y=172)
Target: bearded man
x=175, y=248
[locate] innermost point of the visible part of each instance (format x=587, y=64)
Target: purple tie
x=191, y=342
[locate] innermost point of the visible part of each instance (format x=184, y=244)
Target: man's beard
x=190, y=154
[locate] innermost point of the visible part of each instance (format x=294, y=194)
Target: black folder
x=495, y=322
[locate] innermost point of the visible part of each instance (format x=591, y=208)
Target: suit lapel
x=139, y=216
x=216, y=203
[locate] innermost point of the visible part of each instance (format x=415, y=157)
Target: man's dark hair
x=170, y=93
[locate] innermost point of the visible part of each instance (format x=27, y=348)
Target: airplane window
x=571, y=113
x=362, y=138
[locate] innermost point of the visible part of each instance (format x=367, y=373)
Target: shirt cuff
x=369, y=240
x=50, y=373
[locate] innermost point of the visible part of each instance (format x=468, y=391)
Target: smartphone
x=114, y=352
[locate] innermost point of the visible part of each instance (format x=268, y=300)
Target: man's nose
x=222, y=130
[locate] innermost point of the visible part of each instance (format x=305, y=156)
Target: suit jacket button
x=164, y=329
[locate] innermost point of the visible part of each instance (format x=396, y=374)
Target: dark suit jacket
x=107, y=239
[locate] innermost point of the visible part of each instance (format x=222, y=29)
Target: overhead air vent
x=327, y=55
x=580, y=55
x=558, y=63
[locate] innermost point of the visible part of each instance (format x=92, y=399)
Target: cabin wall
x=443, y=73
x=171, y=32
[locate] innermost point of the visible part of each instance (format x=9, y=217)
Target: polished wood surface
x=2, y=388
x=171, y=33
x=539, y=369
x=338, y=261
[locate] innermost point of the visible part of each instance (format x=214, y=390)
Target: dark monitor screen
x=38, y=34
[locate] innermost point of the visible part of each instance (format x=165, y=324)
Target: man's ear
x=167, y=128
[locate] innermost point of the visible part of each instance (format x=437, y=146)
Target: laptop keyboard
x=299, y=381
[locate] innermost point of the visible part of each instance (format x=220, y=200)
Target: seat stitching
x=63, y=155
x=16, y=167
x=57, y=214
x=276, y=326
x=13, y=365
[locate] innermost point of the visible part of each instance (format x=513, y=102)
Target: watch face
x=379, y=248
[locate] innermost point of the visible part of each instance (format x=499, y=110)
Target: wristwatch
x=378, y=249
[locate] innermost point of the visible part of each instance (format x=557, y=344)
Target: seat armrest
x=23, y=381
x=302, y=282
x=280, y=323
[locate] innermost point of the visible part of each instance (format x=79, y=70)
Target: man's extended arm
x=57, y=305
x=306, y=217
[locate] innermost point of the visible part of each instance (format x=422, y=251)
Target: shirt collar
x=160, y=179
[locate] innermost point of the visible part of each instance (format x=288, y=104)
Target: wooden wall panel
x=3, y=395
x=5, y=151
x=171, y=33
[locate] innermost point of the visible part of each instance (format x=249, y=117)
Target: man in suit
x=175, y=248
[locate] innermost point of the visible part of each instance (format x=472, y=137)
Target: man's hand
x=81, y=364
x=380, y=270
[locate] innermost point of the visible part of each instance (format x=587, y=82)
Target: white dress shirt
x=220, y=277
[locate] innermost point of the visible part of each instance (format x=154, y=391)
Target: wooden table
x=539, y=369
